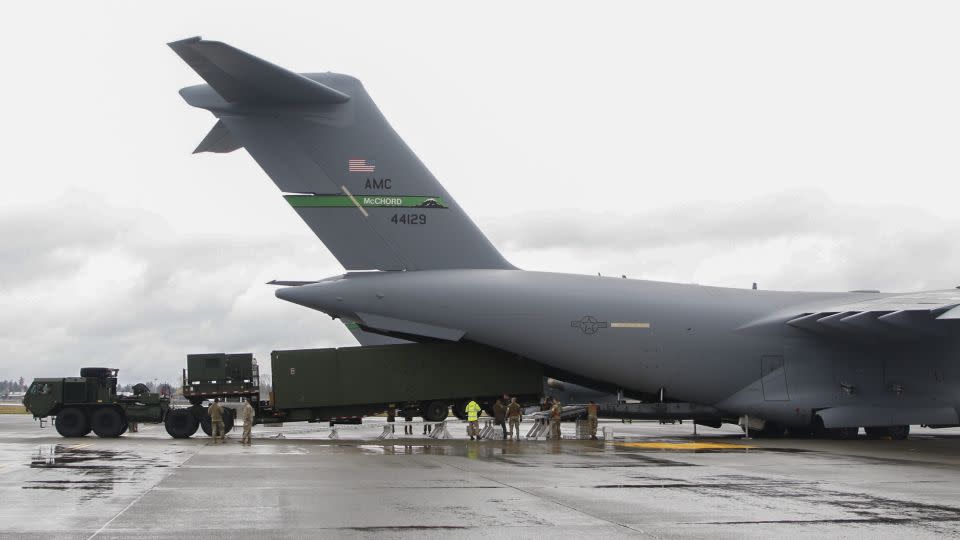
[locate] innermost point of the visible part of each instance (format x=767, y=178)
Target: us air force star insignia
x=589, y=325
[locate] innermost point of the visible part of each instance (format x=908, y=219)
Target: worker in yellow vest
x=473, y=424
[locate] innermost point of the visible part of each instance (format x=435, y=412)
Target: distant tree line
x=7, y=387
x=163, y=388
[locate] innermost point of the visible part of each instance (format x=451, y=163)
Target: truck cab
x=90, y=403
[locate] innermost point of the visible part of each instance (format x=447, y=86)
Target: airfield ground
x=648, y=482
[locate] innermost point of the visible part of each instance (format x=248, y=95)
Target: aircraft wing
x=904, y=316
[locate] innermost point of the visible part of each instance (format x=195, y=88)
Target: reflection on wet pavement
x=649, y=481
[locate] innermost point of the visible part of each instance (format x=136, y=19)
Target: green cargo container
x=219, y=374
x=409, y=376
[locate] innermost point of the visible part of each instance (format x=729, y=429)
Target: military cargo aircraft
x=419, y=269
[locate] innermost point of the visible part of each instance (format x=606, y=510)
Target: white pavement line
x=558, y=503
x=135, y=501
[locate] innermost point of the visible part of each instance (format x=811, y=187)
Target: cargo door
x=773, y=377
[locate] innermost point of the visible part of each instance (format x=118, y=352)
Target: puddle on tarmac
x=469, y=451
x=85, y=468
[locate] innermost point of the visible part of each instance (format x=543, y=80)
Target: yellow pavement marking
x=660, y=445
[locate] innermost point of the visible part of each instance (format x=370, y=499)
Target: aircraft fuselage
x=729, y=348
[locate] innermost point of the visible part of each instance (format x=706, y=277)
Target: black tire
x=228, y=416
x=95, y=372
x=108, y=422
x=460, y=410
x=72, y=422
x=180, y=423
x=843, y=433
x=876, y=432
x=206, y=425
x=899, y=433
x=436, y=411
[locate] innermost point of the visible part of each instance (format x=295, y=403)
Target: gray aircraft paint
x=853, y=359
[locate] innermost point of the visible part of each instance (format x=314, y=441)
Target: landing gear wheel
x=771, y=431
x=180, y=423
x=436, y=411
x=876, y=432
x=460, y=410
x=899, y=433
x=843, y=433
x=72, y=422
x=108, y=423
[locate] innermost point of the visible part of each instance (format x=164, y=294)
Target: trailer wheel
x=72, y=422
x=206, y=424
x=180, y=423
x=436, y=411
x=228, y=416
x=108, y=422
x=460, y=410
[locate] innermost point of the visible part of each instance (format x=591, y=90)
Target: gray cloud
x=792, y=240
x=83, y=283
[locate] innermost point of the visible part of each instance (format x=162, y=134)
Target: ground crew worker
x=473, y=424
x=555, y=419
x=545, y=404
x=500, y=416
x=216, y=420
x=592, y=411
x=514, y=416
x=246, y=414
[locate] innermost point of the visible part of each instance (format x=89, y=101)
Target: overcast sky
x=803, y=146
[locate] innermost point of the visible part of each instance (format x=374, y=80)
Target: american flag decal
x=361, y=165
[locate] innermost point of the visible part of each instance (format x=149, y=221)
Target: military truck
x=314, y=385
x=90, y=402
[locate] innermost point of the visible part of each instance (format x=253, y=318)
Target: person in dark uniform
x=500, y=416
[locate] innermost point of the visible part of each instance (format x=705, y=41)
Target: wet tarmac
x=649, y=481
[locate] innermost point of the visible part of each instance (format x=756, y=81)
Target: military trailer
x=90, y=403
x=419, y=379
x=309, y=385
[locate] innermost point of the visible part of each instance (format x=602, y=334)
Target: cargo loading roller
x=309, y=385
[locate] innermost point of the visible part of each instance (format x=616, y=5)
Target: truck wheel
x=72, y=422
x=227, y=420
x=108, y=422
x=436, y=411
x=460, y=410
x=205, y=424
x=180, y=423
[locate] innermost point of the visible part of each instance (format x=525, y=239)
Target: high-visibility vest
x=473, y=410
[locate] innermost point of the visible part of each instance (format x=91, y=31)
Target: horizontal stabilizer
x=285, y=283
x=240, y=77
x=218, y=141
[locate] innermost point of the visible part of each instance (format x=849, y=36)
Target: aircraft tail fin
x=342, y=167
